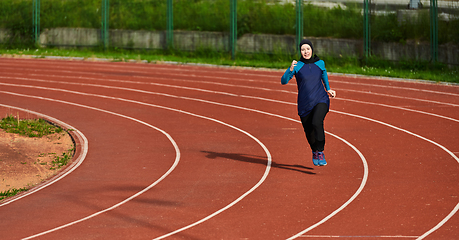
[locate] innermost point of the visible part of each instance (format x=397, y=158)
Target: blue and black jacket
x=311, y=79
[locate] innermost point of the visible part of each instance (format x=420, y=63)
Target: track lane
x=448, y=127
x=80, y=199
x=357, y=109
x=80, y=152
x=245, y=178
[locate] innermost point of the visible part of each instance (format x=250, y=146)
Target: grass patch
x=34, y=128
x=30, y=128
x=37, y=128
x=406, y=69
x=11, y=192
x=60, y=161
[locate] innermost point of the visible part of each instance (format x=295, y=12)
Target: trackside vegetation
x=346, y=65
x=11, y=192
x=29, y=128
x=34, y=128
x=260, y=16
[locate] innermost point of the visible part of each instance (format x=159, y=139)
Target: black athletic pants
x=313, y=125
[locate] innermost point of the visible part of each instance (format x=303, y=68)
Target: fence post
x=36, y=21
x=299, y=24
x=105, y=18
x=170, y=25
x=233, y=28
x=434, y=30
x=366, y=29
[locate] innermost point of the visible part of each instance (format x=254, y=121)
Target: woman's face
x=306, y=51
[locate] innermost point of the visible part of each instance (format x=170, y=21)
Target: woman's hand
x=293, y=65
x=331, y=93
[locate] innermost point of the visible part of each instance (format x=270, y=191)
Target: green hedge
x=260, y=16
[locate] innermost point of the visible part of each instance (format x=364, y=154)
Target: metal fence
x=236, y=18
x=412, y=14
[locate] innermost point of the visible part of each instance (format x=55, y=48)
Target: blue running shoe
x=315, y=158
x=321, y=159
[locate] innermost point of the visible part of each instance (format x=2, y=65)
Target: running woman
x=313, y=97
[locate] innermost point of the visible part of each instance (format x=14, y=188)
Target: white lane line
x=218, y=92
x=152, y=69
x=148, y=69
x=425, y=113
x=363, y=182
x=454, y=211
x=400, y=108
x=399, y=88
x=393, y=96
x=357, y=116
x=74, y=165
x=174, y=76
x=362, y=102
x=405, y=131
x=362, y=185
x=362, y=118
x=366, y=237
x=176, y=161
x=120, y=81
x=166, y=76
x=265, y=175
x=441, y=223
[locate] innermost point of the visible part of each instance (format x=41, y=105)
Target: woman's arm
x=289, y=73
x=330, y=92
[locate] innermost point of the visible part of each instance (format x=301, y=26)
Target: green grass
x=347, y=65
x=33, y=128
x=60, y=161
x=11, y=192
x=253, y=16
x=260, y=16
x=422, y=70
x=30, y=128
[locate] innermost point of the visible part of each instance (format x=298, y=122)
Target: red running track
x=193, y=152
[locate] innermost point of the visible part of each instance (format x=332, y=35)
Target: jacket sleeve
x=287, y=76
x=321, y=65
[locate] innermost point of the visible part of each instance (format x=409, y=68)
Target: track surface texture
x=193, y=152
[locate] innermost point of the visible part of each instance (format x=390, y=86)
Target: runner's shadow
x=258, y=160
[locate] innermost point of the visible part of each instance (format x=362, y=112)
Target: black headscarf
x=314, y=58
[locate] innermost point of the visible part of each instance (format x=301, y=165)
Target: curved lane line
x=362, y=185
x=268, y=167
x=398, y=88
x=400, y=108
x=75, y=164
x=218, y=92
x=393, y=96
x=177, y=158
x=369, y=119
x=142, y=70
x=440, y=224
x=455, y=209
x=232, y=85
x=405, y=131
x=237, y=107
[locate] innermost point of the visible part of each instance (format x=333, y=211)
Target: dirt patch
x=25, y=161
